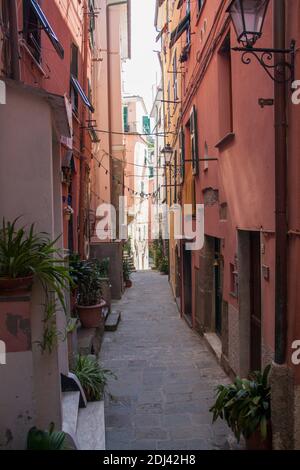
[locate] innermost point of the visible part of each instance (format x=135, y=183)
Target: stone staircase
x=84, y=427
x=129, y=258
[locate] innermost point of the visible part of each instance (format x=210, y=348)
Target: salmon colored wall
x=66, y=18
x=244, y=173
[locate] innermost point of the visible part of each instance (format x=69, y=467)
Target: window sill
x=227, y=139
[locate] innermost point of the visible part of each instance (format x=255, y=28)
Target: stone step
x=113, y=321
x=91, y=427
x=70, y=408
x=89, y=341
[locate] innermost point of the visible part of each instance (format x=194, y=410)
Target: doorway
x=217, y=286
x=249, y=295
x=255, y=301
x=187, y=283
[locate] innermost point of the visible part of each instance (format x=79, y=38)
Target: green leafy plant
x=245, y=404
x=80, y=270
x=127, y=246
x=89, y=286
x=126, y=270
x=25, y=253
x=46, y=440
x=92, y=376
x=164, y=265
x=104, y=268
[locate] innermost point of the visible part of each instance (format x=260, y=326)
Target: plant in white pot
x=90, y=304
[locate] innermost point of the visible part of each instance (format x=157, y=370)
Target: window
x=34, y=20
x=183, y=26
x=206, y=156
x=31, y=30
x=125, y=119
x=182, y=154
x=200, y=5
x=194, y=199
x=225, y=89
x=188, y=13
x=74, y=73
x=175, y=84
x=92, y=17
x=194, y=140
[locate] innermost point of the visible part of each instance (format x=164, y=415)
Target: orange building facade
x=223, y=156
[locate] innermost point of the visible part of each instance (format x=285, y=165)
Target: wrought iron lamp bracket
x=279, y=71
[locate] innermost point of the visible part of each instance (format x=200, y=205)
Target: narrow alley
x=165, y=375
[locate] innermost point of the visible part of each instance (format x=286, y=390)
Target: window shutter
x=182, y=155
x=194, y=140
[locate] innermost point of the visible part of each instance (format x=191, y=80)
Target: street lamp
x=248, y=18
x=167, y=151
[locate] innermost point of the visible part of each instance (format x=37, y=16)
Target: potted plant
x=89, y=301
x=127, y=273
x=92, y=376
x=245, y=406
x=25, y=255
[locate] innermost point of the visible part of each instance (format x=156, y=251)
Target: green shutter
x=146, y=124
x=125, y=118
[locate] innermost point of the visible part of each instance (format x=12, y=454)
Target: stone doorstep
x=91, y=427
x=89, y=341
x=214, y=344
x=70, y=406
x=112, y=321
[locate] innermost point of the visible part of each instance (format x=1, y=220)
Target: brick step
x=112, y=321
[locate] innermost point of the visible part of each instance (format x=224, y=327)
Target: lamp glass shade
x=167, y=153
x=248, y=18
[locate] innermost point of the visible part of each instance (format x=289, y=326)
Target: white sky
x=142, y=71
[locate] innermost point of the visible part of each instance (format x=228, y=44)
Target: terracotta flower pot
x=19, y=284
x=91, y=317
x=255, y=441
x=128, y=283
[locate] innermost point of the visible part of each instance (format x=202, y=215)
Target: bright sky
x=142, y=71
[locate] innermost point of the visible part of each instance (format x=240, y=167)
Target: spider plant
x=29, y=253
x=92, y=376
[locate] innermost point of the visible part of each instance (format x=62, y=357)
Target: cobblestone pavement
x=166, y=376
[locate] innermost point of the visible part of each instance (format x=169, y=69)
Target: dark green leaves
x=46, y=440
x=245, y=404
x=92, y=377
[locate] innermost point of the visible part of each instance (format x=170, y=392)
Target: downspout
x=83, y=158
x=14, y=39
x=279, y=18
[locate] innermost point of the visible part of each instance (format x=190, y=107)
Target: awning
x=83, y=96
x=47, y=28
x=68, y=161
x=180, y=29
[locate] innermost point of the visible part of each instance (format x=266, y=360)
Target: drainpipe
x=83, y=158
x=14, y=39
x=279, y=18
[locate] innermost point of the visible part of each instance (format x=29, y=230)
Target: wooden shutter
x=194, y=140
x=182, y=154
